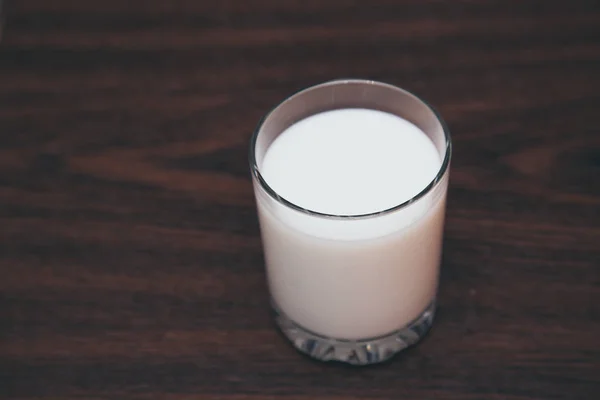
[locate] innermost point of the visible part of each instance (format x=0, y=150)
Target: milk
x=350, y=162
x=354, y=277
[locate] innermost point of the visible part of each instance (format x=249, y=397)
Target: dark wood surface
x=130, y=261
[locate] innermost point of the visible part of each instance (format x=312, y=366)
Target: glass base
x=355, y=352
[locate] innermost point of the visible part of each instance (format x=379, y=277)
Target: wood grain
x=130, y=260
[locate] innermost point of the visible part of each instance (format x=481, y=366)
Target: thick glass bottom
x=355, y=352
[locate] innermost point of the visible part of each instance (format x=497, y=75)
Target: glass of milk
x=350, y=179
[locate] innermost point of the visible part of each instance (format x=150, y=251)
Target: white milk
x=352, y=278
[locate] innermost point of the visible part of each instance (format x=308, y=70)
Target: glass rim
x=274, y=195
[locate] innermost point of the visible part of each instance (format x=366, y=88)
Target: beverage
x=351, y=208
x=338, y=278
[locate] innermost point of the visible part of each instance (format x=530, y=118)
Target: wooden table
x=130, y=259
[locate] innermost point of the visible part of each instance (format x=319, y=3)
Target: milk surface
x=352, y=278
x=350, y=162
